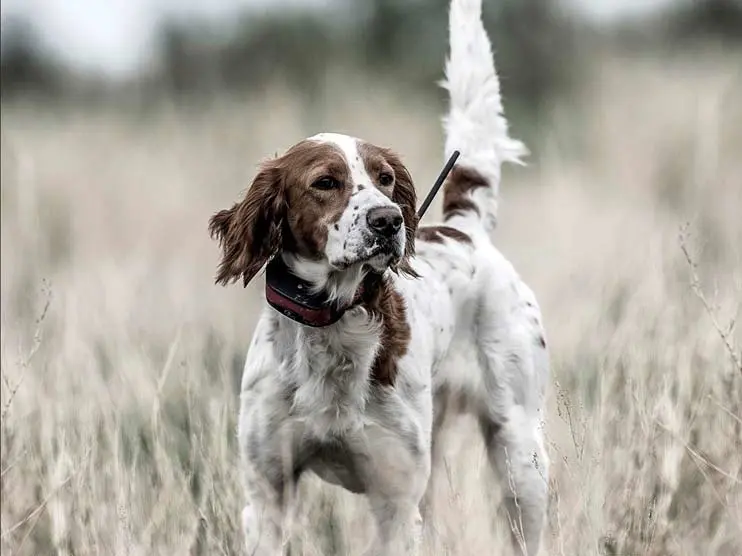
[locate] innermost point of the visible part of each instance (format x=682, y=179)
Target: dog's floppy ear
x=405, y=197
x=249, y=233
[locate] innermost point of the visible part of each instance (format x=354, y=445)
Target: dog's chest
x=332, y=371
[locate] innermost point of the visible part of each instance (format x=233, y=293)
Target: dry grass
x=119, y=399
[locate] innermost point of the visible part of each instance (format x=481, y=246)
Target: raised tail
x=475, y=123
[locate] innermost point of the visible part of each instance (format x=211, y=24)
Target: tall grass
x=121, y=360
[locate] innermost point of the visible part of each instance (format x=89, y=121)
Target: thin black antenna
x=437, y=185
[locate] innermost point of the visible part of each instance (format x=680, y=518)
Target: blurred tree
x=402, y=41
x=23, y=67
x=533, y=41
x=185, y=61
x=405, y=41
x=684, y=25
x=294, y=47
x=297, y=47
x=703, y=19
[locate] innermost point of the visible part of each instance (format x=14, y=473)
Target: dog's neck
x=365, y=342
x=306, y=293
x=339, y=287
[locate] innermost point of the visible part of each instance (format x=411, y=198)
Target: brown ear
x=249, y=233
x=405, y=197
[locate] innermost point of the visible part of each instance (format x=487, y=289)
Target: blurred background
x=138, y=52
x=127, y=123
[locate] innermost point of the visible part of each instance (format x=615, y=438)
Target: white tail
x=475, y=124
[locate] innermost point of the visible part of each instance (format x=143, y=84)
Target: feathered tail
x=475, y=123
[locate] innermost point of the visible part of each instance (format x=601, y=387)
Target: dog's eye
x=326, y=183
x=386, y=179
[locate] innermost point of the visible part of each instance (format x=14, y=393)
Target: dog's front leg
x=399, y=526
x=397, y=467
x=263, y=517
x=268, y=449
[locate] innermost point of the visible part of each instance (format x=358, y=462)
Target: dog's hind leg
x=515, y=449
x=515, y=369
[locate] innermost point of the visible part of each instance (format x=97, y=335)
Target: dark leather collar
x=292, y=296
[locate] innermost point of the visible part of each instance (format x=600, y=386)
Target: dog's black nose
x=385, y=221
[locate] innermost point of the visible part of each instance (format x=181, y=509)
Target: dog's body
x=359, y=401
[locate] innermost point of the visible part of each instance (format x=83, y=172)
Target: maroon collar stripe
x=292, y=297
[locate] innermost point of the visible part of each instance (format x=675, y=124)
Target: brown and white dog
x=412, y=316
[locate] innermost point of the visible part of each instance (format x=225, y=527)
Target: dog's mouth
x=379, y=256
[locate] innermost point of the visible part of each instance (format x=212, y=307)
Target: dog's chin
x=383, y=260
x=378, y=259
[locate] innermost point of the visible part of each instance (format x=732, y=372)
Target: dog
x=373, y=324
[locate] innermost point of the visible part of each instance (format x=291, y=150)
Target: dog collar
x=293, y=297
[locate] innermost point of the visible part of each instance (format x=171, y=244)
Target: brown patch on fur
x=387, y=304
x=249, y=232
x=379, y=160
x=457, y=189
x=449, y=401
x=435, y=234
x=259, y=226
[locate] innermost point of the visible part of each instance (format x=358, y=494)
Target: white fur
x=475, y=123
x=307, y=402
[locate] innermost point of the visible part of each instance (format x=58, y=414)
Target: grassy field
x=121, y=360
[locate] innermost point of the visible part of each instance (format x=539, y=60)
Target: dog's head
x=333, y=202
